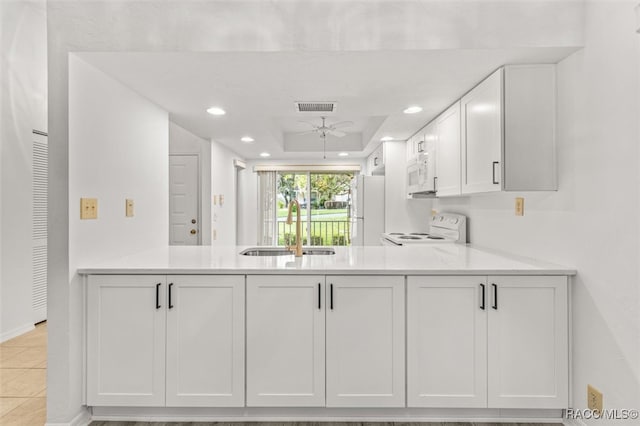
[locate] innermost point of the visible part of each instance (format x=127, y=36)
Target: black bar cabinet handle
x=319, y=297
x=170, y=303
x=435, y=180
x=158, y=296
x=331, y=296
x=483, y=297
x=493, y=179
x=495, y=296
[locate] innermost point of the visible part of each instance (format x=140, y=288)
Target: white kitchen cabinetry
x=496, y=342
x=446, y=342
x=158, y=341
x=365, y=341
x=447, y=164
x=285, y=341
x=126, y=326
x=508, y=131
x=205, y=341
x=376, y=160
x=528, y=342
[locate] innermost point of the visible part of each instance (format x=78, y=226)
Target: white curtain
x=267, y=208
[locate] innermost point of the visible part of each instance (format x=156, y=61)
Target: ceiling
x=258, y=92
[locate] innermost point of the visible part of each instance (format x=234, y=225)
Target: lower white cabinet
x=157, y=341
x=497, y=342
x=285, y=341
x=446, y=342
x=365, y=341
x=126, y=327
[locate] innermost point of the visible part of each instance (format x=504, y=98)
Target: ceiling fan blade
x=306, y=132
x=315, y=126
x=336, y=133
x=341, y=124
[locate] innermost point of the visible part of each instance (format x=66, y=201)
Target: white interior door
x=184, y=200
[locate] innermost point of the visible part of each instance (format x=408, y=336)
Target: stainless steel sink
x=280, y=251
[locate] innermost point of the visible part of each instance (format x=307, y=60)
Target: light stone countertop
x=437, y=259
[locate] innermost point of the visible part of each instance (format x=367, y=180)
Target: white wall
x=23, y=86
x=182, y=141
x=223, y=182
x=118, y=149
x=593, y=221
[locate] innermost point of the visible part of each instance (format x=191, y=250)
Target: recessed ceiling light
x=343, y=154
x=412, y=110
x=216, y=111
x=386, y=138
x=265, y=154
x=247, y=139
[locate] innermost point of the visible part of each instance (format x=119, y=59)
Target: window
x=324, y=200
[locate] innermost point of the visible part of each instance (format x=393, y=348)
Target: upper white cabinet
x=376, y=160
x=365, y=341
x=285, y=341
x=508, y=131
x=447, y=152
x=157, y=342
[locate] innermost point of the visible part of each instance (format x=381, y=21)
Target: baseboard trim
x=573, y=422
x=83, y=418
x=8, y=335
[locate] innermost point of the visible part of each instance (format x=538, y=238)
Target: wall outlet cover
x=594, y=399
x=88, y=208
x=129, y=207
x=519, y=206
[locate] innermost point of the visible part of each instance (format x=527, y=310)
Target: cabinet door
x=126, y=340
x=205, y=341
x=528, y=342
x=365, y=341
x=446, y=342
x=285, y=341
x=481, y=111
x=448, y=152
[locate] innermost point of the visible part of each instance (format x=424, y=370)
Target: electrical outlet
x=519, y=206
x=88, y=208
x=594, y=399
x=128, y=207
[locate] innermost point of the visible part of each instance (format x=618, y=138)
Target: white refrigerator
x=367, y=210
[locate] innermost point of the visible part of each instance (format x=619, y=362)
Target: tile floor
x=23, y=379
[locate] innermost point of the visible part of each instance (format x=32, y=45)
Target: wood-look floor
x=23, y=379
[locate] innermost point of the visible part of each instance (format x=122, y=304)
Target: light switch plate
x=221, y=199
x=519, y=206
x=129, y=207
x=88, y=208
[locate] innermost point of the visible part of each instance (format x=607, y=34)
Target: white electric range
x=443, y=228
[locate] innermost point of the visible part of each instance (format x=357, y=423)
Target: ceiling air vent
x=324, y=107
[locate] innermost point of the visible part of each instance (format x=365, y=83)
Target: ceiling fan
x=325, y=129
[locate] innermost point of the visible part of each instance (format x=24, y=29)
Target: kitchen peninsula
x=368, y=333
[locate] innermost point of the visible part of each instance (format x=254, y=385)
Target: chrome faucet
x=298, y=247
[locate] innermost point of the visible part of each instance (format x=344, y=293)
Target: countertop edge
x=240, y=271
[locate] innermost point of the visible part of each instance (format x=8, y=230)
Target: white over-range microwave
x=421, y=176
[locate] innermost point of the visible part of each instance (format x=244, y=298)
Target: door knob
x=193, y=232
x=193, y=221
